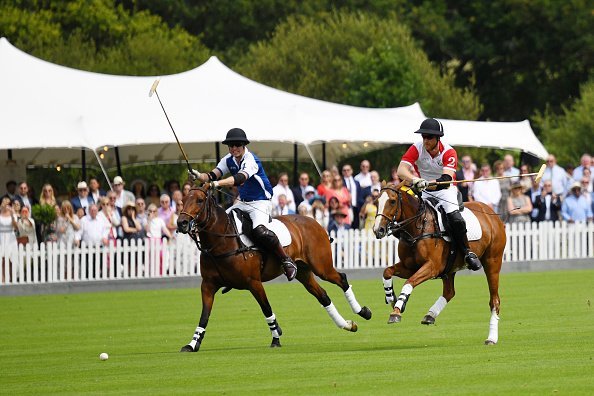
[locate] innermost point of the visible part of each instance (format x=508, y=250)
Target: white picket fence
x=50, y=262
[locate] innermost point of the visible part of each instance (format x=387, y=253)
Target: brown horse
x=226, y=262
x=424, y=253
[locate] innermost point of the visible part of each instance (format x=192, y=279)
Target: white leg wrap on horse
x=388, y=290
x=198, y=336
x=437, y=307
x=273, y=326
x=494, y=327
x=350, y=296
x=406, y=291
x=338, y=320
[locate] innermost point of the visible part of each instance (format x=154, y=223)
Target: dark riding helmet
x=431, y=127
x=236, y=135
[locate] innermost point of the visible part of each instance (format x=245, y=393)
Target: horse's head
x=390, y=207
x=195, y=210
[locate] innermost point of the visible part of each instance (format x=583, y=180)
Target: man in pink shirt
x=436, y=161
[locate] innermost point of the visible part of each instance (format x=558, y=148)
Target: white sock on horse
x=350, y=297
x=273, y=326
x=336, y=317
x=388, y=290
x=198, y=336
x=494, y=327
x=403, y=297
x=437, y=307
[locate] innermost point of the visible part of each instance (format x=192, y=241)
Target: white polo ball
x=104, y=356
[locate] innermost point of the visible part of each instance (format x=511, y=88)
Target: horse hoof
x=428, y=320
x=365, y=313
x=394, y=318
x=351, y=326
x=188, y=348
x=275, y=343
x=490, y=342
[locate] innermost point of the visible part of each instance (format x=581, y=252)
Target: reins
x=196, y=227
x=398, y=228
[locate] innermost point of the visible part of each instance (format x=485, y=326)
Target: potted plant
x=45, y=215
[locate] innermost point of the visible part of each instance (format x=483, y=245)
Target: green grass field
x=51, y=344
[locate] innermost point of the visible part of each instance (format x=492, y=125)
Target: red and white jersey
x=431, y=168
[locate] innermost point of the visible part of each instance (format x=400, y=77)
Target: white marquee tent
x=45, y=107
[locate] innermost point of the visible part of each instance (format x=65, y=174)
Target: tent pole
x=218, y=152
x=313, y=160
x=323, y=157
x=83, y=162
x=103, y=169
x=295, y=163
x=118, y=163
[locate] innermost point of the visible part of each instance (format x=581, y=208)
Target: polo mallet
x=537, y=179
x=154, y=91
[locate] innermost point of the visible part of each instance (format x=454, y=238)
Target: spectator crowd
x=344, y=199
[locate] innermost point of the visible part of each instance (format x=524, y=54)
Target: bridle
x=195, y=227
x=395, y=227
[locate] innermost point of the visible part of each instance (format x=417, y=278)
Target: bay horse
x=226, y=262
x=423, y=252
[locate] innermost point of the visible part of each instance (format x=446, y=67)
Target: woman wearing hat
x=255, y=192
x=130, y=225
x=519, y=206
x=436, y=161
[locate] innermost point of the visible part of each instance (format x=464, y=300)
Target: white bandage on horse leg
x=437, y=307
x=403, y=297
x=494, y=327
x=198, y=337
x=273, y=326
x=350, y=297
x=336, y=317
x=389, y=291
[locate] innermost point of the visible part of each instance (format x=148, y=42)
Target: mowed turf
x=51, y=344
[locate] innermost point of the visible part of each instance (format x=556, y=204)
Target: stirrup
x=472, y=260
x=290, y=269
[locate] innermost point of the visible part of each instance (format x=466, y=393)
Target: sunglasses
x=427, y=137
x=235, y=144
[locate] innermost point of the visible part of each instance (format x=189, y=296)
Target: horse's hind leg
x=257, y=290
x=448, y=293
x=340, y=279
x=208, y=291
x=308, y=280
x=492, y=273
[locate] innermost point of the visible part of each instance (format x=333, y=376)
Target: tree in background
x=355, y=59
x=570, y=135
x=524, y=54
x=100, y=37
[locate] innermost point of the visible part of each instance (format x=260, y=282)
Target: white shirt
x=487, y=191
x=125, y=197
x=364, y=179
x=26, y=202
x=350, y=184
x=93, y=231
x=286, y=191
x=156, y=226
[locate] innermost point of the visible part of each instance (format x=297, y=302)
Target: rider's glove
x=419, y=184
x=214, y=184
x=194, y=175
